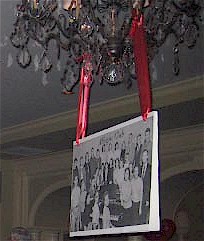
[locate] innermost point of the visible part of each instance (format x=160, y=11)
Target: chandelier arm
x=67, y=34
x=50, y=36
x=46, y=40
x=33, y=20
x=45, y=12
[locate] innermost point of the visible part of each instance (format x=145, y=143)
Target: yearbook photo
x=115, y=180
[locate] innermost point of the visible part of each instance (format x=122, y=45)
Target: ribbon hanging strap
x=137, y=33
x=83, y=99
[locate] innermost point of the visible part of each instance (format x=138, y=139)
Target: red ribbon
x=137, y=33
x=83, y=99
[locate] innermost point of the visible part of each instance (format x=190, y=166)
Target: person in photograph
x=87, y=213
x=83, y=195
x=110, y=151
x=126, y=198
x=95, y=212
x=131, y=170
x=116, y=146
x=123, y=151
x=75, y=168
x=82, y=171
x=116, y=152
x=138, y=151
x=145, y=175
x=126, y=163
x=147, y=145
x=110, y=171
x=98, y=178
x=116, y=172
x=102, y=173
x=87, y=171
x=93, y=163
x=103, y=154
x=137, y=196
x=105, y=173
x=106, y=217
x=75, y=205
x=98, y=158
x=130, y=148
x=92, y=190
x=121, y=170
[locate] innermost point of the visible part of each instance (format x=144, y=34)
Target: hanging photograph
x=115, y=180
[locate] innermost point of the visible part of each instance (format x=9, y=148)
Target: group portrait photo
x=114, y=173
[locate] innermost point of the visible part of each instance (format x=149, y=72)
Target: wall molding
x=50, y=189
x=177, y=92
x=194, y=165
x=183, y=197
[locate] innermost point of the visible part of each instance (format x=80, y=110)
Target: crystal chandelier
x=100, y=28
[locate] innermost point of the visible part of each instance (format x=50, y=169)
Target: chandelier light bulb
x=85, y=27
x=114, y=73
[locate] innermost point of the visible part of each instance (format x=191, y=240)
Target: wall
x=7, y=198
x=176, y=188
x=0, y=195
x=26, y=183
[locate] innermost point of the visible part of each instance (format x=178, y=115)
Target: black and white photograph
x=115, y=180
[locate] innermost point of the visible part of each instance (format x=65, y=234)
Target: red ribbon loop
x=83, y=99
x=137, y=34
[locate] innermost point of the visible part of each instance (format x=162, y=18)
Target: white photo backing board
x=115, y=180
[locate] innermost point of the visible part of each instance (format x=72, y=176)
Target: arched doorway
x=51, y=218
x=53, y=212
x=182, y=195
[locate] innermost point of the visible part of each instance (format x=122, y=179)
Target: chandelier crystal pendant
x=101, y=28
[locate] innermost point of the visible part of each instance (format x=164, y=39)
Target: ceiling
x=27, y=98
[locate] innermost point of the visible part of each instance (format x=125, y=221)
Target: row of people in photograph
x=100, y=162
